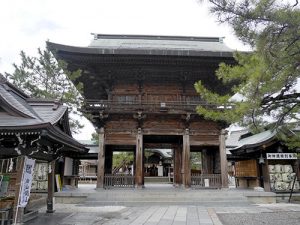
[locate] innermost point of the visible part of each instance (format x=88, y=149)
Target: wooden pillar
x=177, y=166
x=101, y=159
x=204, y=161
x=51, y=174
x=266, y=176
x=186, y=166
x=223, y=159
x=18, y=213
x=139, y=172
x=108, y=160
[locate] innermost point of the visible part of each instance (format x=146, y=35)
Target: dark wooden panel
x=125, y=87
x=120, y=139
x=208, y=126
x=121, y=124
x=204, y=140
x=163, y=124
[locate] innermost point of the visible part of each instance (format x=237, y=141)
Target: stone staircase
x=168, y=196
x=156, y=180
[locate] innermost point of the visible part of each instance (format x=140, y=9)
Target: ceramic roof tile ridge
x=13, y=103
x=157, y=37
x=12, y=87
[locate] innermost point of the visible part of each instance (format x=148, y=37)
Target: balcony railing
x=106, y=105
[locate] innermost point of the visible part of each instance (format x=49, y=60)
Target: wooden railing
x=95, y=105
x=206, y=180
x=118, y=181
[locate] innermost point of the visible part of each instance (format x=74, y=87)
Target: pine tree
x=266, y=78
x=42, y=76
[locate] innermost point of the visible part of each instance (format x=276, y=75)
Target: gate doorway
x=158, y=166
x=158, y=155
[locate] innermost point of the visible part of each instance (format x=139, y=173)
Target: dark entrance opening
x=159, y=152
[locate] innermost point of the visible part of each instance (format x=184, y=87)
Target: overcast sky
x=27, y=24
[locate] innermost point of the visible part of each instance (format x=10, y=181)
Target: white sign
x=206, y=182
x=26, y=181
x=281, y=155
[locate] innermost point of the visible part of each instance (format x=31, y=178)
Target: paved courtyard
x=72, y=214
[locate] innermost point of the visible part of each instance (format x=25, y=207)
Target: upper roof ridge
x=157, y=37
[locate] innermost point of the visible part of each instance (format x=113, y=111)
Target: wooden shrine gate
x=137, y=87
x=211, y=175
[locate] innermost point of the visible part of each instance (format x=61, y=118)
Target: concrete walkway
x=67, y=214
x=222, y=207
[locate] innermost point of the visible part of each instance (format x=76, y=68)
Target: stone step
x=156, y=180
x=165, y=197
x=151, y=197
x=165, y=203
x=159, y=194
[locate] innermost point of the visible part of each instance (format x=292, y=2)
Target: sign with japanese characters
x=281, y=155
x=26, y=181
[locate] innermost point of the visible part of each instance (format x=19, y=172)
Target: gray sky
x=27, y=24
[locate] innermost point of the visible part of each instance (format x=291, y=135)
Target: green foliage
x=196, y=161
x=265, y=78
x=95, y=138
x=44, y=77
x=122, y=157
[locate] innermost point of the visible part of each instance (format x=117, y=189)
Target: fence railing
x=118, y=181
x=206, y=180
x=108, y=105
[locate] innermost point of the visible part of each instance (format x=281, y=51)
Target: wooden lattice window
x=247, y=168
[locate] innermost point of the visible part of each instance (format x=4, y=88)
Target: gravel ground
x=274, y=218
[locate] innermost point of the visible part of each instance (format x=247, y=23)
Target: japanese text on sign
x=281, y=155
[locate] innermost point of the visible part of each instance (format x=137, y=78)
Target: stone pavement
x=72, y=214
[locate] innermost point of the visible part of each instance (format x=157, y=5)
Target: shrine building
x=139, y=92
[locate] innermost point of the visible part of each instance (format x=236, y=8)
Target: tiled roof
x=255, y=140
x=20, y=110
x=234, y=137
x=19, y=113
x=213, y=44
x=150, y=45
x=9, y=98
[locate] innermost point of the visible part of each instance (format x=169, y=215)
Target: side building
x=38, y=129
x=139, y=93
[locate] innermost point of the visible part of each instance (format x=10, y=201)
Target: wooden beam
x=50, y=197
x=139, y=173
x=101, y=159
x=223, y=159
x=186, y=167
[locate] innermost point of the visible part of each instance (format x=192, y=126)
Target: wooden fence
x=206, y=180
x=118, y=181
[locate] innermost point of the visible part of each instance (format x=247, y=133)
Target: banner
x=26, y=182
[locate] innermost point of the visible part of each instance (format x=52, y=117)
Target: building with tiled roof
x=35, y=127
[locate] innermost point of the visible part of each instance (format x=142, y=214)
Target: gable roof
x=22, y=114
x=150, y=45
